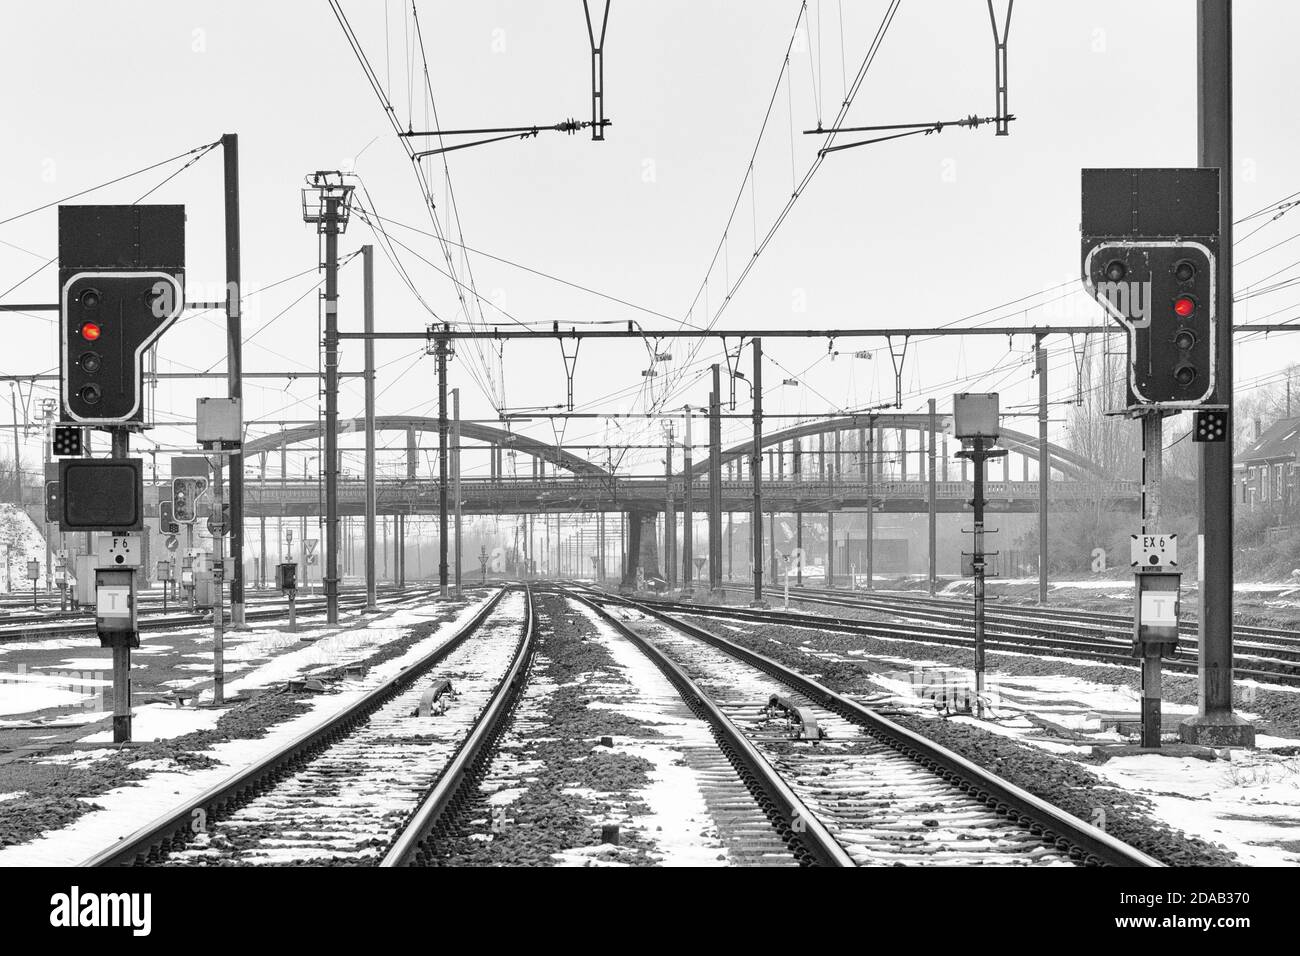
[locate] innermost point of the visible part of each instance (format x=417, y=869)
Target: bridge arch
x=418, y=423
x=1060, y=459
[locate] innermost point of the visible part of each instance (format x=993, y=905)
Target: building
x=1266, y=468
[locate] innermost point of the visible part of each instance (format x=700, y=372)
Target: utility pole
x=688, y=505
x=329, y=209
x=873, y=434
x=1215, y=722
x=368, y=299
x=830, y=549
x=978, y=453
x=234, y=369
x=715, y=485
x=18, y=471
x=440, y=347
x=455, y=479
x=121, y=439
x=218, y=589
x=976, y=423
x=977, y=563
x=1044, y=465
x=670, y=515
x=1152, y=480
x=261, y=526
x=933, y=505
x=756, y=473
x=331, y=462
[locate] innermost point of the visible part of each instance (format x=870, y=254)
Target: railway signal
x=1210, y=427
x=167, y=523
x=185, y=497
x=1150, y=250
x=121, y=285
x=101, y=494
x=109, y=320
x=53, y=502
x=67, y=441
x=1162, y=292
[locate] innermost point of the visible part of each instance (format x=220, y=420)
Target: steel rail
x=798, y=826
x=32, y=630
x=1019, y=639
x=1028, y=624
x=1122, y=622
x=154, y=840
x=1068, y=833
x=411, y=846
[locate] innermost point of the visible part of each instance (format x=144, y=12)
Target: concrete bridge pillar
x=642, y=546
x=830, y=549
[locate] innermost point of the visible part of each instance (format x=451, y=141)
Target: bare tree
x=1265, y=405
x=1113, y=442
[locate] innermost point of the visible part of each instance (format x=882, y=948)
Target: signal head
x=89, y=298
x=1184, y=270
x=1184, y=374
x=1116, y=270
x=1184, y=306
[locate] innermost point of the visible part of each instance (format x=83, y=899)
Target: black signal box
x=102, y=494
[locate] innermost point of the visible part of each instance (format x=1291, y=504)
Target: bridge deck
x=583, y=494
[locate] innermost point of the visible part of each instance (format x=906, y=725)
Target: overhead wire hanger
x=569, y=126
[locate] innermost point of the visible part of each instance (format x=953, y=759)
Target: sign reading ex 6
x=1153, y=550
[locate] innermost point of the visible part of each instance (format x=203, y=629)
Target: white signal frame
x=178, y=299
x=1132, y=329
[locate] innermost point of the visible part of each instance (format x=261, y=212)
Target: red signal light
x=90, y=331
x=1184, y=306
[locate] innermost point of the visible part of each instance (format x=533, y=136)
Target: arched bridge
x=859, y=461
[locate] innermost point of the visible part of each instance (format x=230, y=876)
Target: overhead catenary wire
x=111, y=182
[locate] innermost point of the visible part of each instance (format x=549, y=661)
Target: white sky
x=918, y=232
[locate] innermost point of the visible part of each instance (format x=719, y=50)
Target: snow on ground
x=324, y=648
x=160, y=722
x=679, y=823
x=50, y=644
x=1250, y=804
x=127, y=809
x=22, y=542
x=64, y=719
x=22, y=690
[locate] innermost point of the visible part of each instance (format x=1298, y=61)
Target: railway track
x=1064, y=618
x=366, y=786
x=157, y=620
x=948, y=625
x=870, y=792
x=151, y=602
x=378, y=785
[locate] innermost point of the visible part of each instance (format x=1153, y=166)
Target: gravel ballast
x=561, y=780
x=1065, y=783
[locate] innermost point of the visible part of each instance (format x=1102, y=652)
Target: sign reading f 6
x=121, y=286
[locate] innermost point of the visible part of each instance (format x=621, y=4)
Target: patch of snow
x=127, y=809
